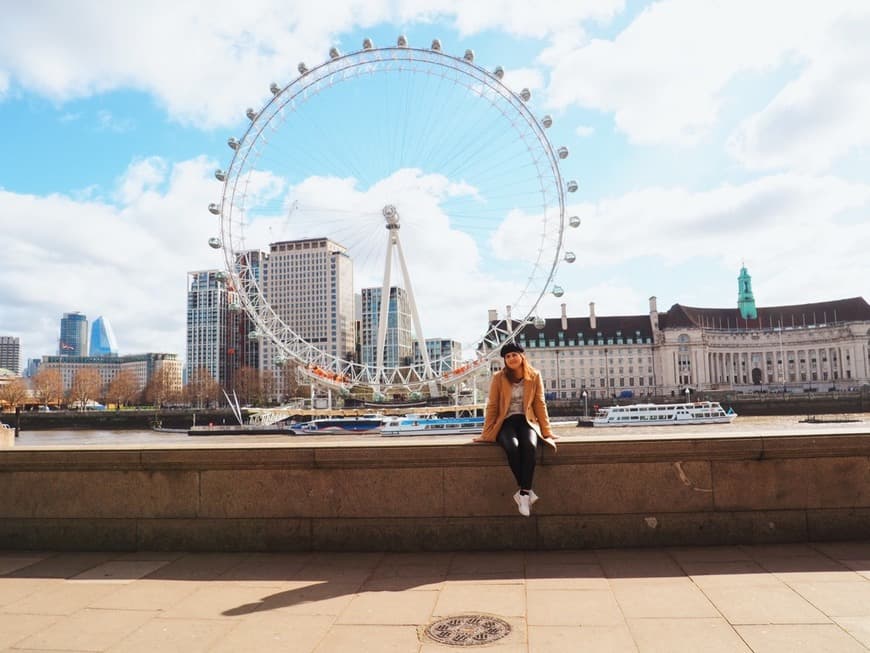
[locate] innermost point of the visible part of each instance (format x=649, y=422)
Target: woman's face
x=514, y=360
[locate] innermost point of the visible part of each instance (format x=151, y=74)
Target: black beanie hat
x=509, y=347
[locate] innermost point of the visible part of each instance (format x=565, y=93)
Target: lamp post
x=585, y=404
x=687, y=394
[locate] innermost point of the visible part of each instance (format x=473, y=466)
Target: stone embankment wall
x=421, y=497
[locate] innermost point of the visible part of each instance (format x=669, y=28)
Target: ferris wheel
x=420, y=176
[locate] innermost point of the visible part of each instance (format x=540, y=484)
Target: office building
x=10, y=353
x=143, y=366
x=73, y=339
x=103, y=341
x=398, y=341
x=308, y=285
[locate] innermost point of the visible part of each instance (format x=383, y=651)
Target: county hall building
x=800, y=348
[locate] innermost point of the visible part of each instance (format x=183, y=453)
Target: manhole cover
x=468, y=630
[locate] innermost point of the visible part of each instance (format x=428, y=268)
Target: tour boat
x=431, y=425
x=361, y=424
x=699, y=412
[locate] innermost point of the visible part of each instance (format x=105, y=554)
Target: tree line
x=46, y=388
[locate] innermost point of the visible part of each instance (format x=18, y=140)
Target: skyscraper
x=103, y=341
x=10, y=353
x=73, y=335
x=398, y=347
x=207, y=327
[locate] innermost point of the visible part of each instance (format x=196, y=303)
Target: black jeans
x=520, y=443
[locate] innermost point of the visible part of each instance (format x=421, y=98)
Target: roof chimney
x=493, y=315
x=593, y=322
x=564, y=318
x=507, y=317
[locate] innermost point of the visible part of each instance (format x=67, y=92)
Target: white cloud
x=665, y=75
x=206, y=66
x=818, y=117
x=777, y=223
x=584, y=130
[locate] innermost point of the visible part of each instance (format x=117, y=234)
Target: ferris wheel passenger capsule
x=558, y=291
x=251, y=114
x=233, y=143
x=274, y=89
x=334, y=53
x=572, y=186
x=436, y=45
x=526, y=94
x=562, y=152
x=574, y=221
x=254, y=335
x=220, y=275
x=539, y=323
x=570, y=257
x=402, y=42
x=214, y=243
x=498, y=72
x=302, y=68
x=214, y=209
x=220, y=175
x=235, y=307
x=469, y=56
x=368, y=44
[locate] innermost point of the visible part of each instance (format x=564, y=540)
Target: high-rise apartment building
x=10, y=353
x=103, y=341
x=398, y=341
x=207, y=323
x=309, y=285
x=73, y=335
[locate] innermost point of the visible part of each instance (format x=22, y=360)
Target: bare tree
x=15, y=393
x=86, y=386
x=159, y=389
x=48, y=386
x=268, y=387
x=287, y=385
x=247, y=385
x=123, y=388
x=201, y=388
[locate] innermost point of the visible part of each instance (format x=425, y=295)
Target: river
x=568, y=431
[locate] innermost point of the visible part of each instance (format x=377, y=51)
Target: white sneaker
x=523, y=504
x=532, y=497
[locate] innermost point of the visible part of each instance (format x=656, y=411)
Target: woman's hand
x=479, y=438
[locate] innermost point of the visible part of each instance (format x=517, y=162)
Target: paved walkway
x=743, y=598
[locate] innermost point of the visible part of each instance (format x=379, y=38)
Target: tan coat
x=499, y=401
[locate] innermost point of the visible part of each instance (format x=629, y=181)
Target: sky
x=703, y=135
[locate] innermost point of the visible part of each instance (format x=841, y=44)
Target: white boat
x=362, y=424
x=699, y=412
x=431, y=425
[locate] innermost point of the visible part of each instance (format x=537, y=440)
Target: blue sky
x=703, y=135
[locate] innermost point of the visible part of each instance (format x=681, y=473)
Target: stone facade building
x=797, y=348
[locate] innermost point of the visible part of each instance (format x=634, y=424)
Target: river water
x=568, y=431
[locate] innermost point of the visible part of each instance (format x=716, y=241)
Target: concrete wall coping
x=407, y=452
